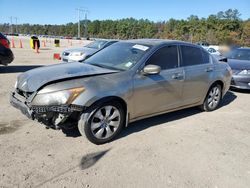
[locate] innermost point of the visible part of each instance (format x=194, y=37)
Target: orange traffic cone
x=36, y=47
x=12, y=43
x=20, y=44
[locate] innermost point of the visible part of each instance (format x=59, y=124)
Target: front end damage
x=52, y=116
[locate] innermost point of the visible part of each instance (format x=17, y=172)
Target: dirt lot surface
x=181, y=149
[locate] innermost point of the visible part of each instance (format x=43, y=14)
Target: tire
x=103, y=122
x=213, y=98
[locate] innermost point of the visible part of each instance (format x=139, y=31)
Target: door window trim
x=162, y=46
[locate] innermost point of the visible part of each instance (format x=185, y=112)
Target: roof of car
x=155, y=42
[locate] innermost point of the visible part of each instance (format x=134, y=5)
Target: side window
x=191, y=56
x=166, y=57
x=205, y=55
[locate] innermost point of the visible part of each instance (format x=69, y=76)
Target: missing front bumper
x=21, y=105
x=51, y=116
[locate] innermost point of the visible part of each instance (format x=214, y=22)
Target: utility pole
x=86, y=26
x=79, y=24
x=16, y=23
x=81, y=10
x=11, y=26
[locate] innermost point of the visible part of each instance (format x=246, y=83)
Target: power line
x=16, y=23
x=11, y=24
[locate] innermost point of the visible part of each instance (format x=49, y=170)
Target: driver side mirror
x=151, y=69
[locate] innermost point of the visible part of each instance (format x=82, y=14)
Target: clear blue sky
x=63, y=11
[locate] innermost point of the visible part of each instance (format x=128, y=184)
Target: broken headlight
x=58, y=97
x=77, y=54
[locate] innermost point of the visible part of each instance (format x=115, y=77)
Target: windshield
x=240, y=54
x=96, y=44
x=119, y=56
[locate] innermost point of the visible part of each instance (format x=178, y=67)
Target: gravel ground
x=187, y=148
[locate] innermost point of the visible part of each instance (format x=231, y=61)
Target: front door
x=159, y=92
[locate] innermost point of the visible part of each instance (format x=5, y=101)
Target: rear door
x=198, y=71
x=160, y=92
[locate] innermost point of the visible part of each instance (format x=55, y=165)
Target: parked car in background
x=125, y=82
x=239, y=61
x=80, y=54
x=203, y=44
x=213, y=51
x=6, y=55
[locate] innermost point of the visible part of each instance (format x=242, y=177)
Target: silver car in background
x=80, y=54
x=125, y=82
x=239, y=61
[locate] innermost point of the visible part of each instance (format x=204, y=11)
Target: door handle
x=209, y=69
x=178, y=76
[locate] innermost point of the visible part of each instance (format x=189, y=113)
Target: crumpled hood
x=85, y=50
x=236, y=64
x=32, y=80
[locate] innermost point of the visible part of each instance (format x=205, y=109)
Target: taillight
x=5, y=43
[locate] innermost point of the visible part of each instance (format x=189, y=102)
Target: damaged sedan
x=125, y=82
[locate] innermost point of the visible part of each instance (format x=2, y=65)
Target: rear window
x=191, y=56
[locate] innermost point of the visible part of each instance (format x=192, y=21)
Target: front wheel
x=213, y=98
x=103, y=122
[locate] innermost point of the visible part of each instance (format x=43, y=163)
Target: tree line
x=225, y=27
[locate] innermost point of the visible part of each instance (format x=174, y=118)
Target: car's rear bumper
x=240, y=82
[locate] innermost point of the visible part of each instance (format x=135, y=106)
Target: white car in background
x=80, y=54
x=213, y=51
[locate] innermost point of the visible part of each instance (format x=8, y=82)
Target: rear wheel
x=103, y=122
x=213, y=98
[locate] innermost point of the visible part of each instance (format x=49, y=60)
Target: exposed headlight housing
x=58, y=97
x=77, y=54
x=15, y=86
x=245, y=72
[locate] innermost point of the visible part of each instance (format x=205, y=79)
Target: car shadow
x=228, y=98
x=73, y=132
x=141, y=125
x=240, y=90
x=17, y=68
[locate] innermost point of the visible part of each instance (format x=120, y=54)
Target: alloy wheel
x=214, y=97
x=105, y=122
